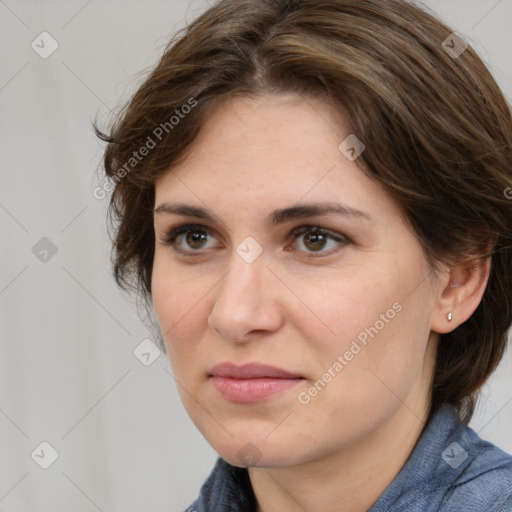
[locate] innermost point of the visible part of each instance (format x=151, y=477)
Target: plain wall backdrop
x=68, y=374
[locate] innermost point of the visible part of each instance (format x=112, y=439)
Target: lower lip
x=251, y=390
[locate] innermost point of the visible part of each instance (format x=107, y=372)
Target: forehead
x=242, y=124
x=270, y=151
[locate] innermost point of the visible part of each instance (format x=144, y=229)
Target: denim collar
x=447, y=456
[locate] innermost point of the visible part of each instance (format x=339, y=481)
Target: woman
x=312, y=197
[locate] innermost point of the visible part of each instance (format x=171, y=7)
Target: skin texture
x=298, y=308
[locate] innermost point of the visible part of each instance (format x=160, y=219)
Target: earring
x=449, y=316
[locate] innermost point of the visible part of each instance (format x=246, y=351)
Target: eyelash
x=170, y=238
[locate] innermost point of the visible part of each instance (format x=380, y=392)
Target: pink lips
x=251, y=382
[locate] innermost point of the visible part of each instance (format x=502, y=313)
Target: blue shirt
x=451, y=469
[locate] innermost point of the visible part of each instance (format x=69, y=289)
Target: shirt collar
x=442, y=452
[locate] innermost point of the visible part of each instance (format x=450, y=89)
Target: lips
x=251, y=382
x=251, y=371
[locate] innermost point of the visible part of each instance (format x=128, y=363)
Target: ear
x=461, y=291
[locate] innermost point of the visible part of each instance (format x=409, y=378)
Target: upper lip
x=250, y=371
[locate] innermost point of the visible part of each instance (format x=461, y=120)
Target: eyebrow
x=275, y=217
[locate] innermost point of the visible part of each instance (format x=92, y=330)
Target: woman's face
x=346, y=311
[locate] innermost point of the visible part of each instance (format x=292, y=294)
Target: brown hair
x=437, y=131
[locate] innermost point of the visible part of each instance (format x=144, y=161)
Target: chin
x=248, y=450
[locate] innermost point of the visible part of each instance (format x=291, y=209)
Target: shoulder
x=484, y=484
x=451, y=469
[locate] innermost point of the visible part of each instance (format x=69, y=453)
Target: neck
x=348, y=480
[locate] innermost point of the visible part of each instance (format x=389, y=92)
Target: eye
x=192, y=238
x=315, y=239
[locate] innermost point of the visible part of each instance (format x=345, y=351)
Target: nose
x=246, y=305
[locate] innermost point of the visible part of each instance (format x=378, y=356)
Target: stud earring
x=449, y=316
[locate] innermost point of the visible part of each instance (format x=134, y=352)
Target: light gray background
x=68, y=374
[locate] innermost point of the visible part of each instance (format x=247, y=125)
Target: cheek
x=374, y=322
x=178, y=304
x=341, y=310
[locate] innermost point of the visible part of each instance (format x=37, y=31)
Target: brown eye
x=188, y=238
x=316, y=239
x=196, y=239
x=193, y=240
